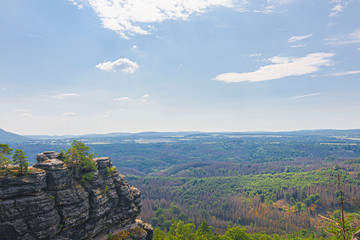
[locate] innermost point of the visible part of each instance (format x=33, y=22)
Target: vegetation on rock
x=20, y=159
x=5, y=151
x=18, y=165
x=50, y=203
x=80, y=161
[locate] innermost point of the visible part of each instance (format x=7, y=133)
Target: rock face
x=50, y=204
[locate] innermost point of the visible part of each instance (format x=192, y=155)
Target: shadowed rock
x=50, y=204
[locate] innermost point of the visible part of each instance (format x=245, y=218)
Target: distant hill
x=6, y=137
x=351, y=134
x=331, y=132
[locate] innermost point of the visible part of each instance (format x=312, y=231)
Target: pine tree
x=20, y=159
x=80, y=160
x=5, y=151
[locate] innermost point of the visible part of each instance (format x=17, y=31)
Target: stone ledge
x=21, y=186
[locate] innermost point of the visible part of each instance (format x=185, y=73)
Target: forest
x=263, y=186
x=279, y=203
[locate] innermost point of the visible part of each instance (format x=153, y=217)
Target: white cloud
x=76, y=3
x=267, y=10
x=272, y=5
x=298, y=38
x=134, y=101
x=122, y=64
x=255, y=55
x=336, y=10
x=298, y=45
x=352, y=38
x=62, y=95
x=306, y=95
x=279, y=2
x=134, y=47
x=122, y=99
x=144, y=98
x=34, y=36
x=339, y=7
x=131, y=17
x=339, y=74
x=69, y=114
x=281, y=67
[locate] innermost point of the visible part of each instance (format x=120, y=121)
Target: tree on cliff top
x=79, y=159
x=5, y=151
x=20, y=159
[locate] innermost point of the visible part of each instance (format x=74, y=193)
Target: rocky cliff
x=50, y=204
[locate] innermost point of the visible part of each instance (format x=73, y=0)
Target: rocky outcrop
x=50, y=204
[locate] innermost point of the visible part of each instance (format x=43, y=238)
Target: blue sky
x=98, y=66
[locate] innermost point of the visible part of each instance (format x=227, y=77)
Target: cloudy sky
x=98, y=66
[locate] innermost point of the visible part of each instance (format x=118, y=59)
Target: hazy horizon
x=195, y=131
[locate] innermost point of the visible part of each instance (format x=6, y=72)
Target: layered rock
x=50, y=204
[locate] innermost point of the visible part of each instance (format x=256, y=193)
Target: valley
x=269, y=182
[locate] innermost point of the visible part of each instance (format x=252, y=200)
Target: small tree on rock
x=5, y=151
x=79, y=159
x=20, y=159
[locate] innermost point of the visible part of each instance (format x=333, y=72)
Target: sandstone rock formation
x=50, y=204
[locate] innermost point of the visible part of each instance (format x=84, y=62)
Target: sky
x=101, y=66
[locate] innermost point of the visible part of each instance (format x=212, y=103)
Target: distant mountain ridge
x=6, y=137
x=114, y=135
x=319, y=132
x=12, y=137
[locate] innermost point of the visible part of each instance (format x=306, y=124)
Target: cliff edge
x=50, y=204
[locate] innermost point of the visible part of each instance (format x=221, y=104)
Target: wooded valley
x=272, y=183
